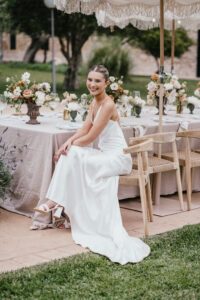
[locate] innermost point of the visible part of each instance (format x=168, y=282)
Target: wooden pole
x=172, y=46
x=161, y=62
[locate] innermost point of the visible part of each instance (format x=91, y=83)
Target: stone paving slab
x=21, y=247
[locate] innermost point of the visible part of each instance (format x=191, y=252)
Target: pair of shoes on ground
x=58, y=210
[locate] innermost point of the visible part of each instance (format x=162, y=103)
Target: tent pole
x=172, y=46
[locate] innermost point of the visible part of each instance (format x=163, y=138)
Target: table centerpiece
x=72, y=106
x=34, y=95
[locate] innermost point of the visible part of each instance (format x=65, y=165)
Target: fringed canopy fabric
x=139, y=13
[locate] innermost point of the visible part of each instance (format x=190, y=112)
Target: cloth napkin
x=140, y=130
x=183, y=126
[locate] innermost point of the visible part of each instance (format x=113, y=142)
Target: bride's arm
x=99, y=125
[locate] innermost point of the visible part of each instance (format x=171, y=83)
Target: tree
x=4, y=23
x=32, y=18
x=149, y=41
x=73, y=30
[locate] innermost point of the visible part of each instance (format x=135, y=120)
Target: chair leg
x=179, y=186
x=182, y=175
x=143, y=204
x=192, y=176
x=189, y=187
x=149, y=201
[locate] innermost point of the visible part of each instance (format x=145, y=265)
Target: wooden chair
x=187, y=160
x=140, y=178
x=158, y=164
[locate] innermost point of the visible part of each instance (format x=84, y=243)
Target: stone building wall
x=142, y=63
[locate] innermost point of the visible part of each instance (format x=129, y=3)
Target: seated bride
x=84, y=185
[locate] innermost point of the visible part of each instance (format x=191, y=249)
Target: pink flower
x=27, y=93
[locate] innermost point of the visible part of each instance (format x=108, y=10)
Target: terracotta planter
x=33, y=113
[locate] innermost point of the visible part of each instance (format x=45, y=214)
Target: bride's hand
x=63, y=150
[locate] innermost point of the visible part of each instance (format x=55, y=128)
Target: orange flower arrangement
x=154, y=77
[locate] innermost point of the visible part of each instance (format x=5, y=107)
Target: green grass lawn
x=42, y=72
x=172, y=271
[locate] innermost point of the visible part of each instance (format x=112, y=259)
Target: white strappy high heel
x=57, y=214
x=44, y=209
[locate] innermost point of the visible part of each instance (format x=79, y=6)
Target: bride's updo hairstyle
x=101, y=69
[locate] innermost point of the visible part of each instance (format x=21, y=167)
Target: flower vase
x=190, y=106
x=138, y=110
x=66, y=115
x=179, y=107
x=164, y=103
x=73, y=115
x=33, y=113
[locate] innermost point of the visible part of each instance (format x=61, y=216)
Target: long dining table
x=34, y=171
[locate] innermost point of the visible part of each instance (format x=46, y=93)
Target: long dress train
x=85, y=183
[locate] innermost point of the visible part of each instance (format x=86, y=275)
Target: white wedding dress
x=85, y=183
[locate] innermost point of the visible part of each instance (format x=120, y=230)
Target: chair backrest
x=189, y=134
x=141, y=149
x=158, y=138
x=142, y=146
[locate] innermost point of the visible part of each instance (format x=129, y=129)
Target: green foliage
x=133, y=82
x=182, y=41
x=150, y=41
x=5, y=179
x=113, y=57
x=170, y=272
x=44, y=67
x=30, y=17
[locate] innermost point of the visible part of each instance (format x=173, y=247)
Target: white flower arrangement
x=115, y=89
x=22, y=91
x=69, y=97
x=40, y=98
x=173, y=89
x=73, y=106
x=45, y=86
x=193, y=100
x=25, y=77
x=197, y=92
x=114, y=86
x=112, y=78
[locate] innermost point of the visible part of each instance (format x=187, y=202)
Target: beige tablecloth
x=33, y=174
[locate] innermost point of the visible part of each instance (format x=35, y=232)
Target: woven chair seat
x=157, y=164
x=131, y=179
x=195, y=157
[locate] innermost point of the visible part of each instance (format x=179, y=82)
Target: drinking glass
x=136, y=94
x=53, y=104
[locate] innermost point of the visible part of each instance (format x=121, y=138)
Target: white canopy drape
x=137, y=12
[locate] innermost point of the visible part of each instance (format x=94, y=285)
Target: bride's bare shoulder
x=109, y=103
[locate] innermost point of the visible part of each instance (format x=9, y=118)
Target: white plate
x=70, y=126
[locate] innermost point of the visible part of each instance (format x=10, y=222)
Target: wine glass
x=136, y=94
x=53, y=104
x=3, y=103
